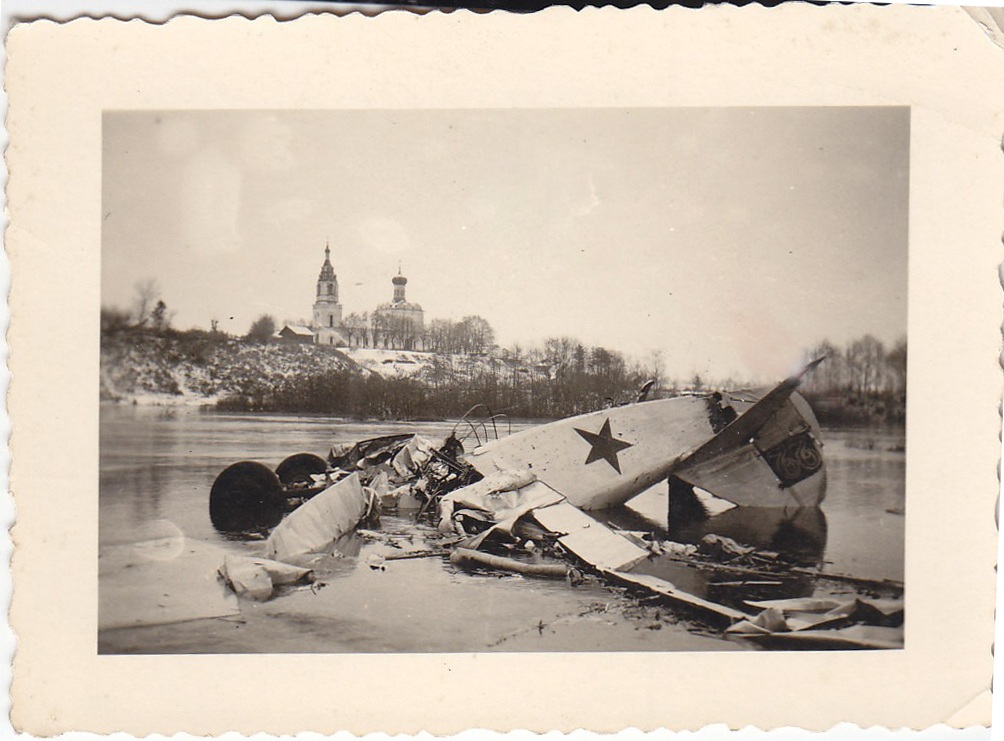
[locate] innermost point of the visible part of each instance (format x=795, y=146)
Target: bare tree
x=357, y=327
x=147, y=295
x=831, y=374
x=896, y=362
x=865, y=359
x=476, y=335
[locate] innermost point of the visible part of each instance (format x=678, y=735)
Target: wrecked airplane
x=535, y=502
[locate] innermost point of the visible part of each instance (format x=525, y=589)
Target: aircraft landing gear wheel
x=298, y=468
x=246, y=497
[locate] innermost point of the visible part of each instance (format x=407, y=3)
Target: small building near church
x=295, y=334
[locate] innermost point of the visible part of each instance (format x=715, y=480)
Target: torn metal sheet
x=855, y=636
x=886, y=607
x=504, y=506
x=588, y=539
x=613, y=555
x=849, y=623
x=311, y=528
x=413, y=456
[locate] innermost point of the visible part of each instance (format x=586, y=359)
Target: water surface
x=158, y=464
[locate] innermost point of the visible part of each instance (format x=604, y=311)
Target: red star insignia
x=604, y=445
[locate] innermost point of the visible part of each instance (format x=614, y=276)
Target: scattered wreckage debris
x=524, y=504
x=467, y=558
x=257, y=578
x=825, y=623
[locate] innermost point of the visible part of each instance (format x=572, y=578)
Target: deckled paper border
x=60, y=78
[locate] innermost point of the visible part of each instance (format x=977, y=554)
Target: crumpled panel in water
x=317, y=523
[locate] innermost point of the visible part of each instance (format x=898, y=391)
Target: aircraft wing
x=604, y=458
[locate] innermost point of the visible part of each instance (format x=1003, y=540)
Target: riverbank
x=205, y=369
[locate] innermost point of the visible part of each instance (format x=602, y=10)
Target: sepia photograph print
x=424, y=373
x=500, y=380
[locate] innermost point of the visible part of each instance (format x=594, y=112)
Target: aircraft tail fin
x=742, y=429
x=767, y=450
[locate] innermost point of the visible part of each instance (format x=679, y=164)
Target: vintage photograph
x=502, y=380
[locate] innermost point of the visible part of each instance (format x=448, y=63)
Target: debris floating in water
x=523, y=504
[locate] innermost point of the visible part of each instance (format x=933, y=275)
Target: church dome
x=399, y=280
x=327, y=271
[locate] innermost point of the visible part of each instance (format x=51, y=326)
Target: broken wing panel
x=614, y=555
x=588, y=539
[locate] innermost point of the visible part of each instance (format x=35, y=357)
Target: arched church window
x=331, y=289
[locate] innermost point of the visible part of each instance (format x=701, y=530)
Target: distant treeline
x=862, y=383
x=514, y=381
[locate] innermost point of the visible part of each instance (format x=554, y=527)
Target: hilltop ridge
x=203, y=368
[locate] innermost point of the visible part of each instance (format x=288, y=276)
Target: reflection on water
x=797, y=536
x=857, y=531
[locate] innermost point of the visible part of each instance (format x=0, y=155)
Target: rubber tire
x=299, y=467
x=246, y=497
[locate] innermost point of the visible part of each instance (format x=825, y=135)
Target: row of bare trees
x=471, y=335
x=864, y=367
x=863, y=382
x=558, y=377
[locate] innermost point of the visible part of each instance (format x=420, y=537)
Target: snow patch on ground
x=392, y=363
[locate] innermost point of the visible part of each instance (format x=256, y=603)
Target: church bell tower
x=327, y=310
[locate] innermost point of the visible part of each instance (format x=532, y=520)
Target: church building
x=327, y=311
x=397, y=325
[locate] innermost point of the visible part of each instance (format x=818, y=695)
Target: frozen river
x=158, y=464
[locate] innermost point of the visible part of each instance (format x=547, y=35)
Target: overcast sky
x=729, y=239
